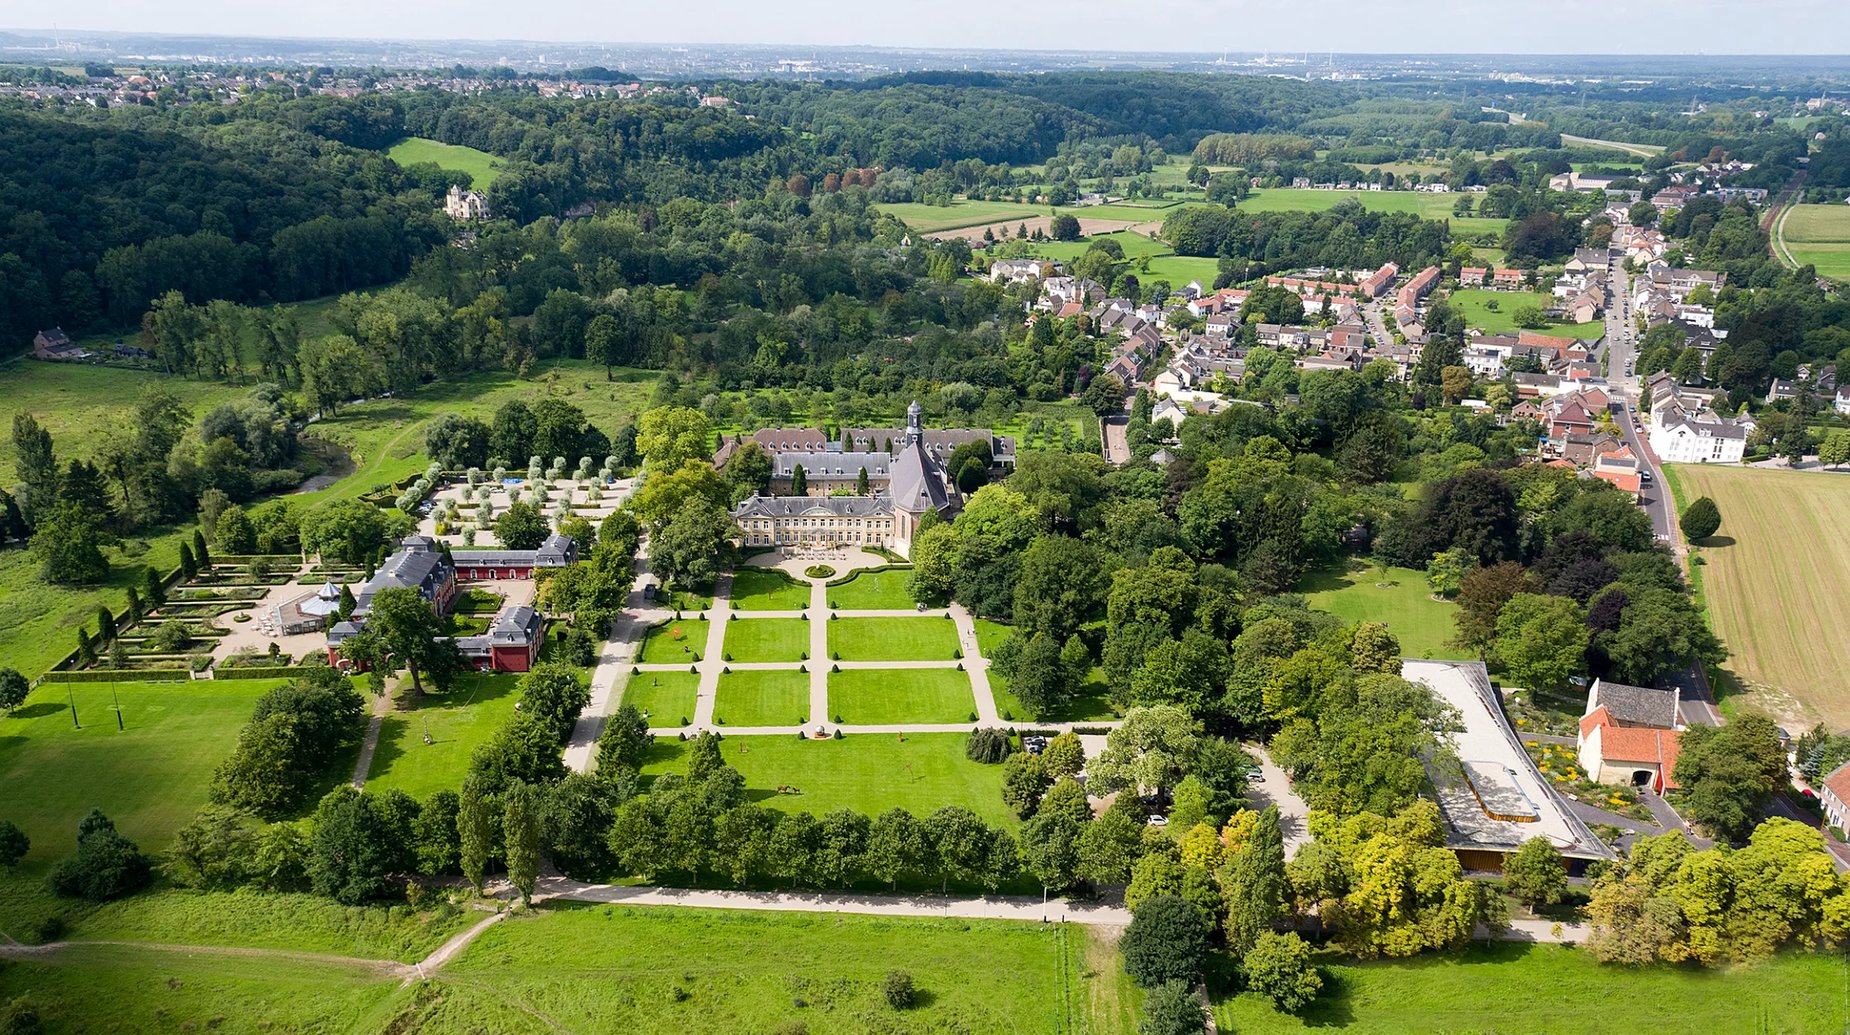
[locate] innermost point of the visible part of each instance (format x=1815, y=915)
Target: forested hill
x=101, y=212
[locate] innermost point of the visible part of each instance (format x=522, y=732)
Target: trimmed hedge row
x=260, y=671
x=119, y=675
x=851, y=576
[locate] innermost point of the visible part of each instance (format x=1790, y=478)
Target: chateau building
x=466, y=204
x=902, y=488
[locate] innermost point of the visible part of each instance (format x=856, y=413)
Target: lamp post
x=72, y=697
x=118, y=703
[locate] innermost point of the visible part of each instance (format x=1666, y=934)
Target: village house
x=1834, y=797
x=56, y=346
x=1684, y=430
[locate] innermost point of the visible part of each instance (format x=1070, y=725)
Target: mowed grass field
x=149, y=778
x=458, y=722
x=667, y=698
x=1421, y=623
x=876, y=696
x=674, y=642
x=867, y=772
x=81, y=405
x=766, y=639
x=880, y=590
x=1820, y=235
x=1508, y=987
x=929, y=219
x=893, y=639
x=616, y=969
x=1776, y=580
x=761, y=589
x=481, y=166
x=1420, y=203
x=1475, y=303
x=762, y=697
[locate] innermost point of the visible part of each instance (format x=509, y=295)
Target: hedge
x=260, y=671
x=119, y=675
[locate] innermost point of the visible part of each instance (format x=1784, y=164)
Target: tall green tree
x=520, y=825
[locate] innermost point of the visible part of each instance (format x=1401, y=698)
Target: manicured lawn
x=991, y=634
x=482, y=166
x=1405, y=603
x=617, y=969
x=880, y=590
x=767, y=639
x=893, y=639
x=869, y=772
x=38, y=621
x=766, y=589
x=865, y=696
x=762, y=698
x=1509, y=987
x=674, y=641
x=457, y=722
x=1820, y=235
x=1773, y=581
x=1475, y=304
x=149, y=779
x=667, y=697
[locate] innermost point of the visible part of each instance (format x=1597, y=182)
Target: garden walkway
x=617, y=657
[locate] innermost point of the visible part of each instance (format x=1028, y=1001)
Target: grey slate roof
x=828, y=506
x=831, y=464
x=1638, y=705
x=918, y=482
x=415, y=565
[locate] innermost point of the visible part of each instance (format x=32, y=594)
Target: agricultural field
x=75, y=402
x=930, y=219
x=1510, y=987
x=1773, y=582
x=892, y=639
x=767, y=639
x=867, y=772
x=1420, y=203
x=1397, y=596
x=149, y=777
x=762, y=697
x=482, y=167
x=456, y=722
x=874, y=696
x=1475, y=304
x=1819, y=235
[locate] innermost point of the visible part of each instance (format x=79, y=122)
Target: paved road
x=613, y=668
x=1117, y=445
x=1274, y=788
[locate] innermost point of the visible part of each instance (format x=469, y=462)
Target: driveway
x=1274, y=788
x=1117, y=444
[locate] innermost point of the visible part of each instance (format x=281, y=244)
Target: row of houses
x=1686, y=429
x=1819, y=383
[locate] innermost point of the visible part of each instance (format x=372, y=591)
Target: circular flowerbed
x=241, y=617
x=819, y=571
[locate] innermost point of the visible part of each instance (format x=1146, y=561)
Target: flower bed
x=819, y=571
x=1561, y=768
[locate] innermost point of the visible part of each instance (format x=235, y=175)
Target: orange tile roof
x=1838, y=782
x=1635, y=744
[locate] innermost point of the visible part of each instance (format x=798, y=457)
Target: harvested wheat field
x=1776, y=579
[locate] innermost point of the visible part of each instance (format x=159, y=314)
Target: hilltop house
x=466, y=204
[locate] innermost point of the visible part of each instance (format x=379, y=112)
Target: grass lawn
x=123, y=988
x=762, y=698
x=667, y=697
x=1420, y=623
x=930, y=219
x=880, y=590
x=592, y=968
x=1773, y=581
x=767, y=589
x=1820, y=235
x=458, y=722
x=74, y=401
x=1474, y=303
x=991, y=634
x=869, y=773
x=870, y=696
x=483, y=167
x=767, y=639
x=38, y=621
x=893, y=639
x=149, y=779
x=1509, y=987
x=1135, y=246
x=674, y=642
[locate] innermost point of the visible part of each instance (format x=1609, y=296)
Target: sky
x=1346, y=26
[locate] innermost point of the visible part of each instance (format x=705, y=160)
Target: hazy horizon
x=1723, y=28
